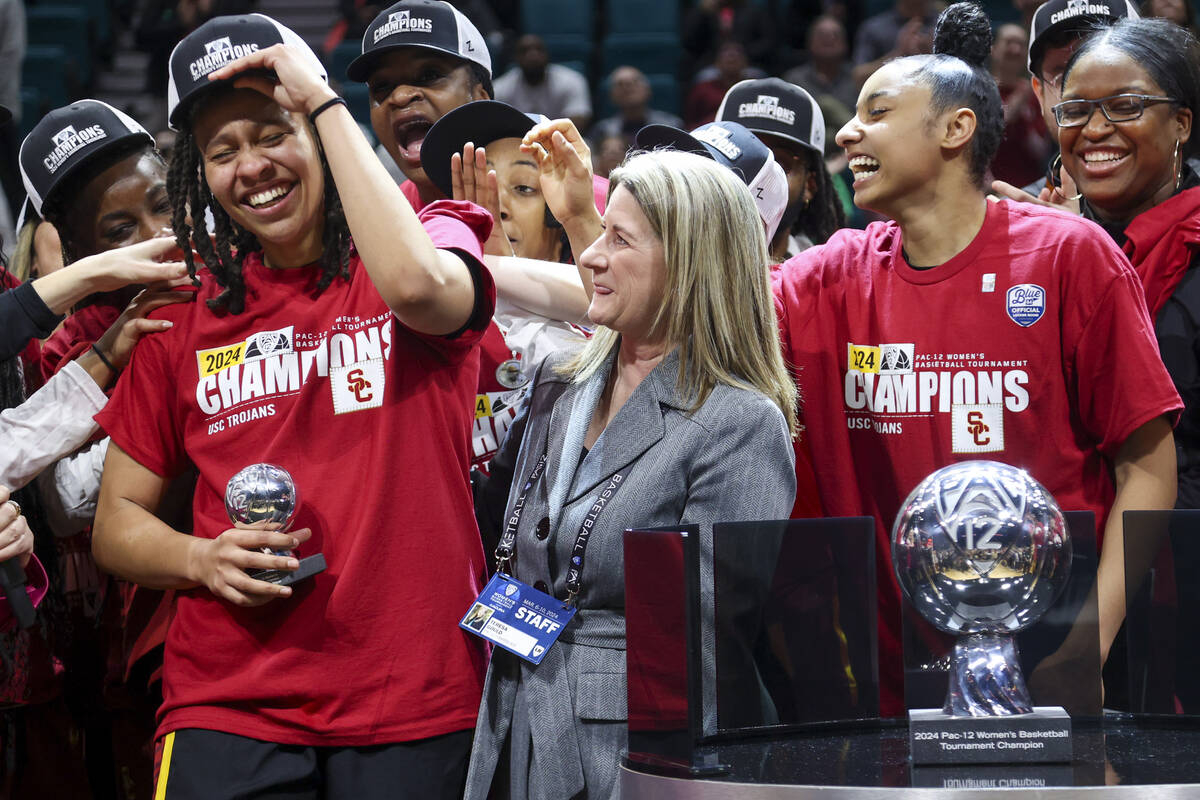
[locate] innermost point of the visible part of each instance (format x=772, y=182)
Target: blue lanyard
x=505, y=550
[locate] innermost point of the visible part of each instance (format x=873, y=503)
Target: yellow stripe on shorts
x=164, y=767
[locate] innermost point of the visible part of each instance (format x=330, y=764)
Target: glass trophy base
x=308, y=567
x=1042, y=736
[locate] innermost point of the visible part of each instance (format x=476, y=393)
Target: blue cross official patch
x=1026, y=303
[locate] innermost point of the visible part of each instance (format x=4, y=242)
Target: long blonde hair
x=718, y=310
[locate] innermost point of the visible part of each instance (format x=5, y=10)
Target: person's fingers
x=481, y=173
x=259, y=83
x=237, y=577
x=20, y=548
x=12, y=528
x=240, y=589
x=259, y=59
x=155, y=248
x=544, y=130
x=535, y=149
x=158, y=299
x=140, y=271
x=10, y=511
x=139, y=326
x=1005, y=189
x=456, y=180
x=468, y=172
x=533, y=135
x=493, y=194
x=267, y=535
x=255, y=560
x=575, y=157
x=16, y=540
x=184, y=281
x=568, y=130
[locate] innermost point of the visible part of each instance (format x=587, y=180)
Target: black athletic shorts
x=196, y=764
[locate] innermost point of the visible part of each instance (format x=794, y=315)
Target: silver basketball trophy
x=264, y=495
x=981, y=550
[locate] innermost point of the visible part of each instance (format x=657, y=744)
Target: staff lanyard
x=505, y=550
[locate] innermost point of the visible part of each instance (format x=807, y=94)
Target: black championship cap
x=430, y=24
x=66, y=139
x=777, y=108
x=217, y=43
x=1060, y=15
x=481, y=122
x=732, y=146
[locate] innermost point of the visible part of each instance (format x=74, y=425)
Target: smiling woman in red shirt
x=335, y=335
x=967, y=328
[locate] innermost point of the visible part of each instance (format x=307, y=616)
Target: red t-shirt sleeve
x=1121, y=381
x=141, y=414
x=461, y=228
x=600, y=192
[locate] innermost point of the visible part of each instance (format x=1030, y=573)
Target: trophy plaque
x=264, y=495
x=981, y=551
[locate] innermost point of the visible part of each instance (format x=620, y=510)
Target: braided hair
x=823, y=214
x=224, y=251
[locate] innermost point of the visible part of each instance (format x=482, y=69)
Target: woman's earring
x=1178, y=165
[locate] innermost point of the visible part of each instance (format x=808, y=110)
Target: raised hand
x=565, y=166
x=471, y=180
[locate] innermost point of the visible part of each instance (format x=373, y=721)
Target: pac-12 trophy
x=981, y=550
x=264, y=494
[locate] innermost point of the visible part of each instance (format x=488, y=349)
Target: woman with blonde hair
x=681, y=401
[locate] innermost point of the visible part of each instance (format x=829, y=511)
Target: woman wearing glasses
x=970, y=329
x=1125, y=125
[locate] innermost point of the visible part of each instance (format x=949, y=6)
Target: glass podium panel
x=795, y=617
x=1162, y=620
x=661, y=628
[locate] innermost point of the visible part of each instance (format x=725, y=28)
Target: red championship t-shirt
x=373, y=422
x=1031, y=347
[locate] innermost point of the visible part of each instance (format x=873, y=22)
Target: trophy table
x=981, y=550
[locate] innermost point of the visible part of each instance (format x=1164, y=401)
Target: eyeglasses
x=1116, y=108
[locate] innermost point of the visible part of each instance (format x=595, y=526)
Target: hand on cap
x=295, y=86
x=565, y=166
x=471, y=180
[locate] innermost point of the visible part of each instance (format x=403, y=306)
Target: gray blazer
x=730, y=460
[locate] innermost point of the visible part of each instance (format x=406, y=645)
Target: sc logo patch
x=357, y=386
x=1025, y=303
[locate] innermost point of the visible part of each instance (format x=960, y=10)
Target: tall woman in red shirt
x=334, y=335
